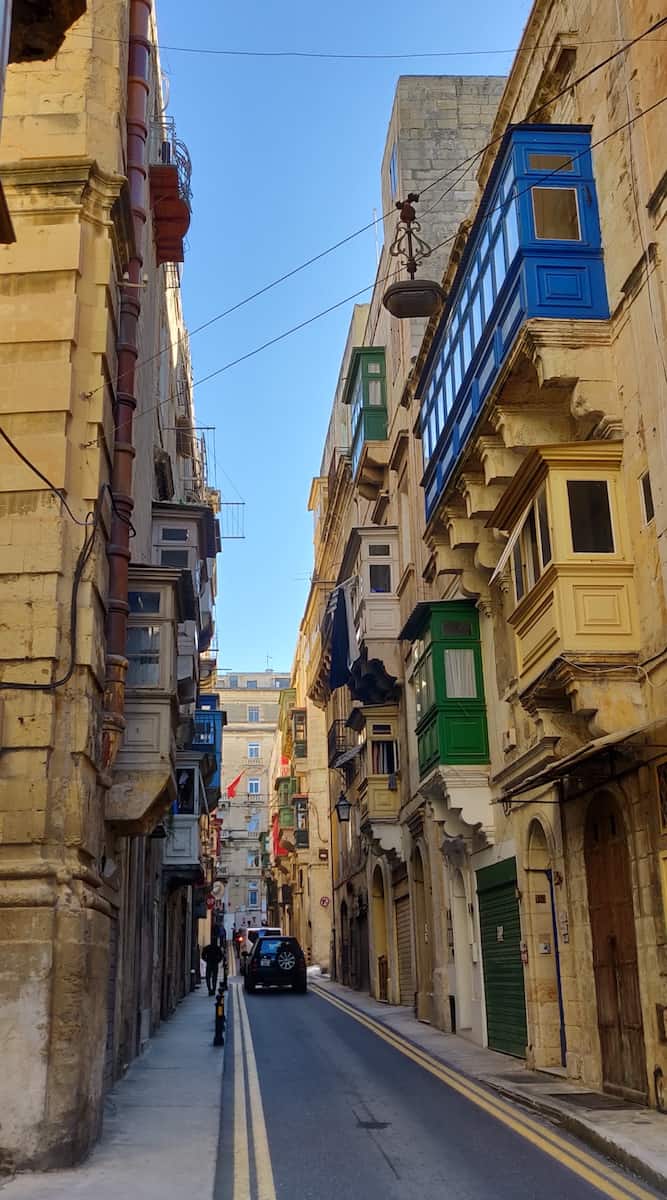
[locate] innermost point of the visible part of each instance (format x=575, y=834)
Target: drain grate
x=592, y=1100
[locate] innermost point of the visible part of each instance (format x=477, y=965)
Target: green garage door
x=501, y=954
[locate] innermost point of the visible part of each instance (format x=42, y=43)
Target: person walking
x=212, y=956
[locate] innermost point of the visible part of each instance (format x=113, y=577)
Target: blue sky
x=286, y=156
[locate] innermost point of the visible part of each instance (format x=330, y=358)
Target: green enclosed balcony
x=448, y=684
x=366, y=393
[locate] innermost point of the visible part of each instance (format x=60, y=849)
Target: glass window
x=550, y=162
x=449, y=391
x=253, y=749
x=456, y=364
x=530, y=555
x=543, y=522
x=252, y=859
x=467, y=345
x=456, y=629
x=517, y=565
x=556, y=213
x=393, y=171
x=378, y=550
x=253, y=787
x=423, y=685
x=384, y=757
x=251, y=683
x=252, y=897
x=373, y=368
x=144, y=602
x=185, y=799
x=375, y=397
x=175, y=535
x=647, y=497
x=590, y=516
x=380, y=577
x=253, y=712
x=511, y=230
x=143, y=655
x=460, y=679
x=233, y=681
x=476, y=318
x=440, y=404
x=175, y=558
x=499, y=260
x=487, y=290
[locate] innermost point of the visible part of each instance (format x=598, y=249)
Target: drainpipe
x=118, y=547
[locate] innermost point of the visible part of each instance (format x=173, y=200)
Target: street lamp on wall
x=411, y=297
x=343, y=808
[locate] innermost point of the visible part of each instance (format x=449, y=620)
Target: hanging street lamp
x=343, y=808
x=411, y=297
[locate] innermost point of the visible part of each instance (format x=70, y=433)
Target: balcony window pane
x=531, y=557
x=440, y=402
x=379, y=550
x=517, y=570
x=467, y=345
x=175, y=535
x=550, y=162
x=460, y=679
x=449, y=391
x=373, y=368
x=253, y=713
x=143, y=653
x=175, y=558
x=144, y=602
x=590, y=516
x=476, y=318
x=487, y=289
x=380, y=578
x=375, y=399
x=543, y=521
x=556, y=214
x=499, y=261
x=511, y=230
x=185, y=801
x=253, y=787
x=383, y=758
x=456, y=363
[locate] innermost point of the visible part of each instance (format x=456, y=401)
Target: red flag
x=231, y=790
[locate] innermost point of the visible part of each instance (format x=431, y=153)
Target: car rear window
x=271, y=946
x=252, y=936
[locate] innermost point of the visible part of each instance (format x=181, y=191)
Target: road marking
x=600, y=1176
x=265, y=1183
x=241, y=1189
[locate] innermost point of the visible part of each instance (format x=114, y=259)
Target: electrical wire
x=92, y=524
x=467, y=162
x=226, y=52
x=354, y=295
x=58, y=492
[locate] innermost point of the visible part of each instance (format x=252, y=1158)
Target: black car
x=276, y=962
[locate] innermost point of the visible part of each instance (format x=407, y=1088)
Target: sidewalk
x=161, y=1122
x=634, y=1137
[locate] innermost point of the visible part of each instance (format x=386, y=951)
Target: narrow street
x=315, y=1104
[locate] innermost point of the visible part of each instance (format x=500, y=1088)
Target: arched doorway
x=344, y=945
x=544, y=995
x=614, y=950
x=423, y=936
x=379, y=917
x=462, y=954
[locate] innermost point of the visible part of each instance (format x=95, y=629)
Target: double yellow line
x=250, y=1135
x=605, y=1178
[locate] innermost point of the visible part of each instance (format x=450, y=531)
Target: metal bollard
x=219, y=1039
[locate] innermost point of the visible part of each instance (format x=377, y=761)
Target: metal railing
x=339, y=739
x=165, y=149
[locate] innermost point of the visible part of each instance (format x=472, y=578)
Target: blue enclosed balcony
x=534, y=250
x=206, y=741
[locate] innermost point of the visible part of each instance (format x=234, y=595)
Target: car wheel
x=286, y=960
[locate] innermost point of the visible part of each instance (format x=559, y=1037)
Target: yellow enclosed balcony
x=378, y=773
x=569, y=552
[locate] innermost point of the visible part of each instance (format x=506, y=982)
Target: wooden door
x=404, y=941
x=614, y=951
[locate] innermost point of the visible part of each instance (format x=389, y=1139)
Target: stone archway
x=614, y=945
x=423, y=934
x=462, y=954
x=380, y=944
x=543, y=988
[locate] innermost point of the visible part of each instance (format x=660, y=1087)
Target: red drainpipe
x=118, y=547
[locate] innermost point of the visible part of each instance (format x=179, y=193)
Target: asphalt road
x=316, y=1105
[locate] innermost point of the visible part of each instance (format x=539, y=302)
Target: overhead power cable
x=354, y=295
x=465, y=163
x=335, y=56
